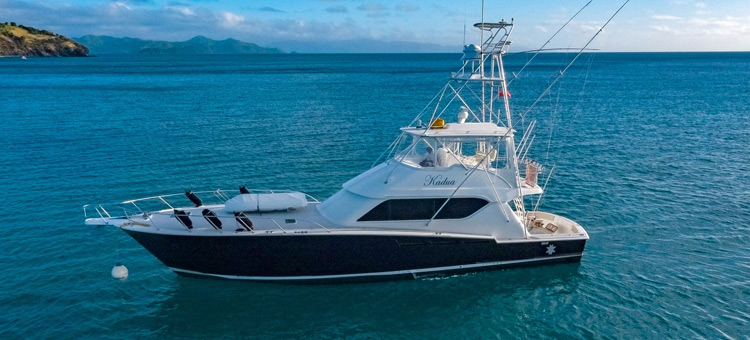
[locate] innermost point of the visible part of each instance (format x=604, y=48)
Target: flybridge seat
x=266, y=202
x=447, y=158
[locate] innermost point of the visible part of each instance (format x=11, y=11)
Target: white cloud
x=665, y=17
x=699, y=27
x=188, y=12
x=586, y=27
x=726, y=26
x=117, y=6
x=231, y=20
x=700, y=5
x=665, y=29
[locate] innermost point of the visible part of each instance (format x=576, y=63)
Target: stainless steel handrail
x=219, y=194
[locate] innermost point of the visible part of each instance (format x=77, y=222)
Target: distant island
x=23, y=41
x=102, y=44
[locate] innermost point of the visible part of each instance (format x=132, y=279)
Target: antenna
x=481, y=58
x=481, y=31
x=464, y=44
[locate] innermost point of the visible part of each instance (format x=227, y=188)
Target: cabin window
x=443, y=152
x=421, y=146
x=423, y=209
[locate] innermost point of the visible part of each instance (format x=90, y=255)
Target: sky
x=642, y=25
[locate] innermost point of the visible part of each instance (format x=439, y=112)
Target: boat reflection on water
x=300, y=311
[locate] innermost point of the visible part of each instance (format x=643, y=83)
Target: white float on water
x=119, y=271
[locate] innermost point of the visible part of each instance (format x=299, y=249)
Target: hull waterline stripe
x=413, y=272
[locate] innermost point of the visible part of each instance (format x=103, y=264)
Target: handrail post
x=221, y=195
x=136, y=206
x=105, y=211
x=165, y=202
x=277, y=224
x=99, y=212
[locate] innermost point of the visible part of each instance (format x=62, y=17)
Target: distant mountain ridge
x=102, y=44
x=20, y=40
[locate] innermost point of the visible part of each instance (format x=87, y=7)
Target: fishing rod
x=573, y=61
x=548, y=41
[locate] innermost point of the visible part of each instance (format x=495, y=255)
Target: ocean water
x=650, y=155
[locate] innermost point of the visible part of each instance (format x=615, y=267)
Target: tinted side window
x=423, y=209
x=460, y=208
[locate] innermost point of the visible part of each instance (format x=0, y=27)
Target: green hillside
x=20, y=40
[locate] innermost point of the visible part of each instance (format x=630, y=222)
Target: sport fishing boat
x=447, y=197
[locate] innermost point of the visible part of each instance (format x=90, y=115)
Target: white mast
x=481, y=65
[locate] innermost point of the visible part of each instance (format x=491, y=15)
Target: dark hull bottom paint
x=321, y=258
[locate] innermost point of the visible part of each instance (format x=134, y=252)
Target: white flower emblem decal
x=551, y=249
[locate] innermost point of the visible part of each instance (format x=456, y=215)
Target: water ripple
x=655, y=171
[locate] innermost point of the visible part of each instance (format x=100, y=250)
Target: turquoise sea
x=651, y=154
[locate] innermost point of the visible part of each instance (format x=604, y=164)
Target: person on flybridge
x=429, y=159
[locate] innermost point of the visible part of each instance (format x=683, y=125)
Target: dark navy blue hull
x=345, y=257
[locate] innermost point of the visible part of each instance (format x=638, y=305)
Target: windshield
x=448, y=151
